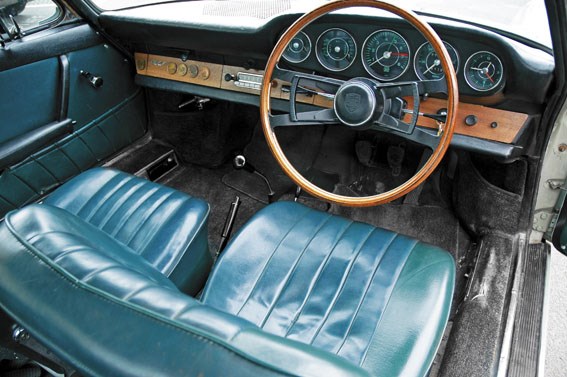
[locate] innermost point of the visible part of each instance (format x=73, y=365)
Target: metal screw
x=20, y=334
x=562, y=147
x=493, y=125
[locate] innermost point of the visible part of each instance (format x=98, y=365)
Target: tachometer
x=335, y=49
x=298, y=49
x=385, y=55
x=483, y=71
x=427, y=64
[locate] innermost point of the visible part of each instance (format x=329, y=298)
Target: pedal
x=395, y=158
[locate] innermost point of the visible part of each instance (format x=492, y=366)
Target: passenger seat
x=166, y=227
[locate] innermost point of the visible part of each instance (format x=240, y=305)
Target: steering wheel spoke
x=306, y=118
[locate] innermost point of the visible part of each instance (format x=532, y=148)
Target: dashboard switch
x=471, y=120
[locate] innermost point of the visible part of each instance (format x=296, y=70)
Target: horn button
x=356, y=103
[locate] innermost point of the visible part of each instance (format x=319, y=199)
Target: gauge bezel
x=417, y=73
x=369, y=71
x=308, y=54
x=495, y=86
x=317, y=50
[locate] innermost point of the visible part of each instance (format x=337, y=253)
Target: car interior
x=258, y=188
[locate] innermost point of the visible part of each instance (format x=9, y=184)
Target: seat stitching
x=129, y=295
x=146, y=217
x=181, y=311
x=343, y=283
x=366, y=289
x=120, y=203
x=303, y=216
x=70, y=250
x=295, y=264
x=317, y=277
x=92, y=274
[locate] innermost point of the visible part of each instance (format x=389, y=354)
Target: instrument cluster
x=386, y=55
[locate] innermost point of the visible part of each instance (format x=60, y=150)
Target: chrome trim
x=465, y=71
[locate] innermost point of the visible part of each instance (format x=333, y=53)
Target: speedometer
x=385, y=55
x=336, y=49
x=427, y=64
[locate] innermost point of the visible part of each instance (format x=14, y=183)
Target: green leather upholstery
x=166, y=227
x=107, y=120
x=376, y=298
x=297, y=292
x=106, y=313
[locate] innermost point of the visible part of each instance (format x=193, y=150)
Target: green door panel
x=87, y=103
x=85, y=148
x=107, y=119
x=25, y=105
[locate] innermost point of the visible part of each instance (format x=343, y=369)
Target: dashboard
x=503, y=82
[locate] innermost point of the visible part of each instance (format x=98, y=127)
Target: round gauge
x=483, y=71
x=427, y=64
x=385, y=55
x=298, y=49
x=336, y=49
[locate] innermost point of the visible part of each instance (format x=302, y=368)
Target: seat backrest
x=106, y=311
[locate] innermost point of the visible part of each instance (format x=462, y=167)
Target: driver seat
x=296, y=292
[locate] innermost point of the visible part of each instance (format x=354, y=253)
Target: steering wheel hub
x=356, y=103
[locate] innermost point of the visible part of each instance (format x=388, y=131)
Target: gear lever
x=239, y=162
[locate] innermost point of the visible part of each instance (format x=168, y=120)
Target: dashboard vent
x=246, y=8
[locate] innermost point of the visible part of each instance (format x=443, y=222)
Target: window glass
x=29, y=14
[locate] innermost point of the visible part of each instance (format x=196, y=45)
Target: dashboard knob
x=171, y=68
x=193, y=70
x=471, y=120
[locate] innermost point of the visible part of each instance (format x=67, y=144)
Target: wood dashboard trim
x=492, y=124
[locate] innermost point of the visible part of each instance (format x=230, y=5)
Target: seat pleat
x=101, y=196
x=292, y=300
x=363, y=237
x=309, y=272
x=292, y=271
x=375, y=299
x=130, y=209
x=122, y=204
x=261, y=272
x=168, y=210
x=132, y=224
x=185, y=223
x=148, y=213
x=333, y=332
x=325, y=284
x=274, y=278
x=107, y=208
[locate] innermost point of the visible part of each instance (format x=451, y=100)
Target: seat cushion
x=376, y=298
x=107, y=312
x=166, y=227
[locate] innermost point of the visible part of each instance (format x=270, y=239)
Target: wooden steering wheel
x=361, y=103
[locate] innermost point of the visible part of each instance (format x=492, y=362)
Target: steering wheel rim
x=444, y=139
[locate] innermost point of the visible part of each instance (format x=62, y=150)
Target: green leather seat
x=376, y=298
x=297, y=292
x=166, y=227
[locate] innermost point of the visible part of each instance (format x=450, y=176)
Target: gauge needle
x=399, y=54
x=435, y=64
x=489, y=77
